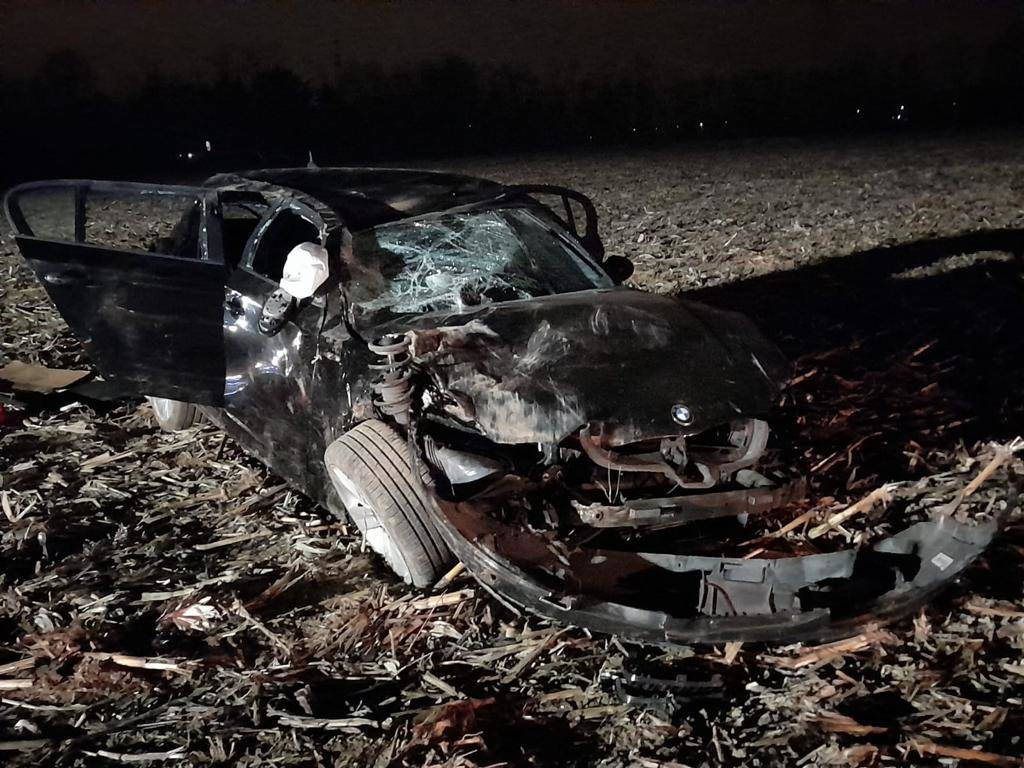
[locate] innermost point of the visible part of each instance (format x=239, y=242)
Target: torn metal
x=620, y=360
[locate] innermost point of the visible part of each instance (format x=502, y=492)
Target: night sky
x=124, y=41
x=122, y=88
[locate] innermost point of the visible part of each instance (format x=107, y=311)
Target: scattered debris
x=1001, y=454
x=822, y=654
x=881, y=495
x=930, y=749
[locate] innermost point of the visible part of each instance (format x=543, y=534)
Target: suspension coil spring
x=393, y=383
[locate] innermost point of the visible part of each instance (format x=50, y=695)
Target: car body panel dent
x=537, y=370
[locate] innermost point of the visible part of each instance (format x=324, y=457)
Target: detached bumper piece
x=671, y=598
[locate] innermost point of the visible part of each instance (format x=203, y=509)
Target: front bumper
x=663, y=598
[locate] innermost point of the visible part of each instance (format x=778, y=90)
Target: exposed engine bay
x=638, y=537
x=637, y=540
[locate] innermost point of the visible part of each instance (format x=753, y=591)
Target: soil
x=165, y=598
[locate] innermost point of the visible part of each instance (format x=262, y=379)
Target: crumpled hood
x=536, y=371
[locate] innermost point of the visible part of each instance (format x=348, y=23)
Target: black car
x=455, y=364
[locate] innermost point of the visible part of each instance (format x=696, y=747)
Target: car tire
x=372, y=471
x=173, y=415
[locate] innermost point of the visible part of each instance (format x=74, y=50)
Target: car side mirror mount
x=277, y=310
x=618, y=268
x=306, y=269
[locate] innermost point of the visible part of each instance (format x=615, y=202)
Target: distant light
x=469, y=125
x=634, y=130
x=700, y=125
x=858, y=110
x=901, y=107
x=898, y=117
x=190, y=155
x=209, y=147
x=677, y=124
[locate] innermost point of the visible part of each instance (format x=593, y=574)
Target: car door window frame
x=286, y=205
x=208, y=248
x=239, y=197
x=590, y=238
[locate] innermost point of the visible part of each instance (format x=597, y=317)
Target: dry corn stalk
x=881, y=495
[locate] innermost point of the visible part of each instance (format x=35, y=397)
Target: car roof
x=367, y=197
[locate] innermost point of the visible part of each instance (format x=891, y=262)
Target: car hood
x=536, y=371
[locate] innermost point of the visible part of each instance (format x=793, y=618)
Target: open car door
x=136, y=271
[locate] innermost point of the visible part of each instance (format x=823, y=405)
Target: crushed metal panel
x=537, y=371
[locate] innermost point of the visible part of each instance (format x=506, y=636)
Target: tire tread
x=376, y=457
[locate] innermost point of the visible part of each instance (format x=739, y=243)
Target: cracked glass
x=455, y=261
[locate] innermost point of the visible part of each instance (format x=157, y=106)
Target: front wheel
x=371, y=471
x=172, y=415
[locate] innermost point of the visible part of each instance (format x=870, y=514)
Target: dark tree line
x=60, y=123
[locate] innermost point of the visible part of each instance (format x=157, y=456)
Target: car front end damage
x=597, y=459
x=660, y=597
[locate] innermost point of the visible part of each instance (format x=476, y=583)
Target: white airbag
x=305, y=270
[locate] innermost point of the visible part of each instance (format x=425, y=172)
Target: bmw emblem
x=682, y=415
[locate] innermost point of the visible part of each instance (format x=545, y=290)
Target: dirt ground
x=163, y=598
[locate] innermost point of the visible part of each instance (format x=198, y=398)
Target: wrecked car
x=456, y=366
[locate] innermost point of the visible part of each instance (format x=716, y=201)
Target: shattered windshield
x=454, y=261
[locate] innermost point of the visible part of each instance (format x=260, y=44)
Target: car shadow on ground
x=908, y=346
x=901, y=354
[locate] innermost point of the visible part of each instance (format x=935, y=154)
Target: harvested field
x=163, y=598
